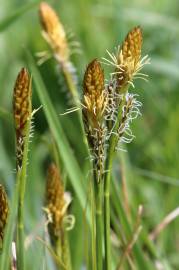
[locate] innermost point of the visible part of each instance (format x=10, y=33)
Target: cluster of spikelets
x=4, y=209
x=109, y=108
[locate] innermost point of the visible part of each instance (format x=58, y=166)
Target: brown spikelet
x=55, y=201
x=133, y=44
x=54, y=32
x=22, y=108
x=4, y=209
x=94, y=93
x=94, y=106
x=128, y=59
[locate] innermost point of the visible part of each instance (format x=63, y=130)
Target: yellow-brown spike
x=133, y=44
x=129, y=58
x=22, y=108
x=94, y=94
x=4, y=209
x=94, y=107
x=54, y=32
x=55, y=201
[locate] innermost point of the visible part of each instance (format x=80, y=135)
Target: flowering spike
x=54, y=32
x=22, y=108
x=55, y=201
x=94, y=108
x=94, y=93
x=4, y=209
x=132, y=45
x=129, y=61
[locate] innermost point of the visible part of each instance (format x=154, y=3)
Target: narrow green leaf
x=67, y=156
x=10, y=19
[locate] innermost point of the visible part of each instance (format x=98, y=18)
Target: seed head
x=22, y=101
x=94, y=108
x=129, y=58
x=132, y=45
x=22, y=108
x=94, y=94
x=54, y=32
x=4, y=209
x=55, y=201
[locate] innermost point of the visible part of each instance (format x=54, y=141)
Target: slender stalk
x=62, y=252
x=93, y=220
x=70, y=83
x=98, y=186
x=22, y=185
x=107, y=210
x=66, y=258
x=107, y=181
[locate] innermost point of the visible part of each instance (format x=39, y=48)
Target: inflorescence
x=110, y=108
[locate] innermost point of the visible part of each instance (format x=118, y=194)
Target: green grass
x=151, y=162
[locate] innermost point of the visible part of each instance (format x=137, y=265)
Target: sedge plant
x=108, y=111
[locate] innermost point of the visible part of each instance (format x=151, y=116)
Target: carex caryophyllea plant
x=108, y=110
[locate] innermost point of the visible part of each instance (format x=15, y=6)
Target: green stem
x=93, y=220
x=20, y=235
x=107, y=210
x=70, y=83
x=62, y=251
x=107, y=180
x=99, y=222
x=66, y=258
x=22, y=185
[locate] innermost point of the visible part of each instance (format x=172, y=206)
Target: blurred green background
x=152, y=159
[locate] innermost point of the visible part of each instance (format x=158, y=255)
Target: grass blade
x=65, y=151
